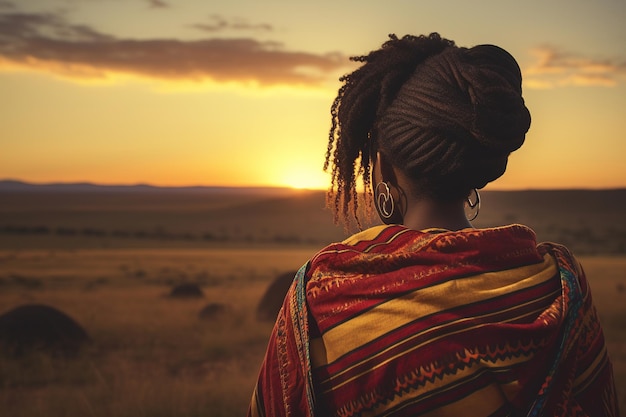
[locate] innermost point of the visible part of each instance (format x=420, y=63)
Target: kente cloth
x=477, y=322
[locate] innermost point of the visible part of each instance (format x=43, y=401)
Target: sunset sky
x=237, y=92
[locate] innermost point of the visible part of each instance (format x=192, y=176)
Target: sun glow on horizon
x=305, y=180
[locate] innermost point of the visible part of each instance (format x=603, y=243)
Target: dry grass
x=607, y=277
x=151, y=355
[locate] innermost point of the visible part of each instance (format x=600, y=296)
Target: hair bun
x=501, y=118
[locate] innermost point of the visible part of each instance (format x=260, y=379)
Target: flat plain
x=109, y=259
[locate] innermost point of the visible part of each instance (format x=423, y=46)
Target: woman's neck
x=419, y=210
x=426, y=213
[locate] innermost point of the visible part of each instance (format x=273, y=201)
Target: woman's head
x=446, y=117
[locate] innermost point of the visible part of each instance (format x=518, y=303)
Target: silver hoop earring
x=384, y=200
x=474, y=206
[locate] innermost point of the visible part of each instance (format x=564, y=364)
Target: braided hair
x=447, y=117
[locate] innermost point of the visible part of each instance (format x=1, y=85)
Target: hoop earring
x=384, y=201
x=473, y=205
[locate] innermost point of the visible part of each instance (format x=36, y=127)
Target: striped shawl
x=396, y=322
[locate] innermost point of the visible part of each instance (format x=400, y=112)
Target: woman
x=427, y=315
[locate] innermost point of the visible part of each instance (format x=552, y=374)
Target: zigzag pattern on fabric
x=440, y=369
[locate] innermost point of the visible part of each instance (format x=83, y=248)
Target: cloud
x=218, y=24
x=47, y=42
x=555, y=68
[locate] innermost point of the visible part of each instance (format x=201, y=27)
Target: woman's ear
x=384, y=170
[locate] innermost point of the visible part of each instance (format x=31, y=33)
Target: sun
x=306, y=180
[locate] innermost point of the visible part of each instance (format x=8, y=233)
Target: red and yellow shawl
x=478, y=322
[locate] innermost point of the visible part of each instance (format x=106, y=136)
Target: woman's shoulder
x=390, y=237
x=374, y=239
x=562, y=254
x=384, y=242
x=365, y=235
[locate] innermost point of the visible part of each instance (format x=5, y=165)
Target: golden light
x=307, y=180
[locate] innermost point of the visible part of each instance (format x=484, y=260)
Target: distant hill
x=88, y=216
x=21, y=186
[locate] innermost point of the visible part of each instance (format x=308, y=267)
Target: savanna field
x=168, y=287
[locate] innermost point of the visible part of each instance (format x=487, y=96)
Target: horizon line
x=18, y=182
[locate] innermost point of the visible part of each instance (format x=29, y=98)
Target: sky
x=238, y=92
